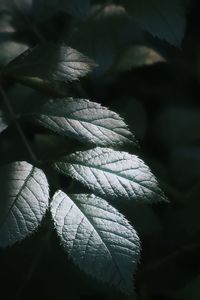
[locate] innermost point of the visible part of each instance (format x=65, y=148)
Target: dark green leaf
x=164, y=19
x=97, y=237
x=103, y=36
x=112, y=174
x=86, y=121
x=24, y=197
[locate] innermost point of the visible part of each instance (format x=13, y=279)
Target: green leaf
x=117, y=29
x=164, y=19
x=24, y=197
x=86, y=121
x=50, y=62
x=112, y=174
x=97, y=237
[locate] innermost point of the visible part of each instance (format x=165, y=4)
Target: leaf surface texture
x=86, y=121
x=164, y=19
x=52, y=62
x=97, y=237
x=24, y=198
x=112, y=174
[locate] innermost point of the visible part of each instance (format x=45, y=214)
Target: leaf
x=97, y=237
x=112, y=174
x=3, y=122
x=137, y=56
x=164, y=19
x=24, y=197
x=103, y=36
x=50, y=62
x=86, y=121
x=9, y=49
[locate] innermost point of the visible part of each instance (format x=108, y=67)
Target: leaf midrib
x=96, y=125
x=100, y=236
x=108, y=171
x=17, y=197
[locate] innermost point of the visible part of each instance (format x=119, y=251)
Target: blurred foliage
x=155, y=86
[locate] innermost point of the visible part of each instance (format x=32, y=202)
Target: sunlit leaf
x=24, y=197
x=50, y=62
x=97, y=237
x=112, y=174
x=88, y=122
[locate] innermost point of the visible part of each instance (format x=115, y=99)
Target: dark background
x=156, y=88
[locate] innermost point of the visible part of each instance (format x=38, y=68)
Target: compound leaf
x=97, y=237
x=112, y=174
x=86, y=121
x=24, y=197
x=164, y=19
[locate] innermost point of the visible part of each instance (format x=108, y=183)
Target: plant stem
x=17, y=125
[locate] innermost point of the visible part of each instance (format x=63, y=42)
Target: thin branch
x=17, y=125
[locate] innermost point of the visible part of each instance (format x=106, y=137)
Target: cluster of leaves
x=97, y=237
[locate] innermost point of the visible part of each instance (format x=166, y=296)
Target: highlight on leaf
x=51, y=62
x=86, y=121
x=113, y=175
x=97, y=237
x=24, y=196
